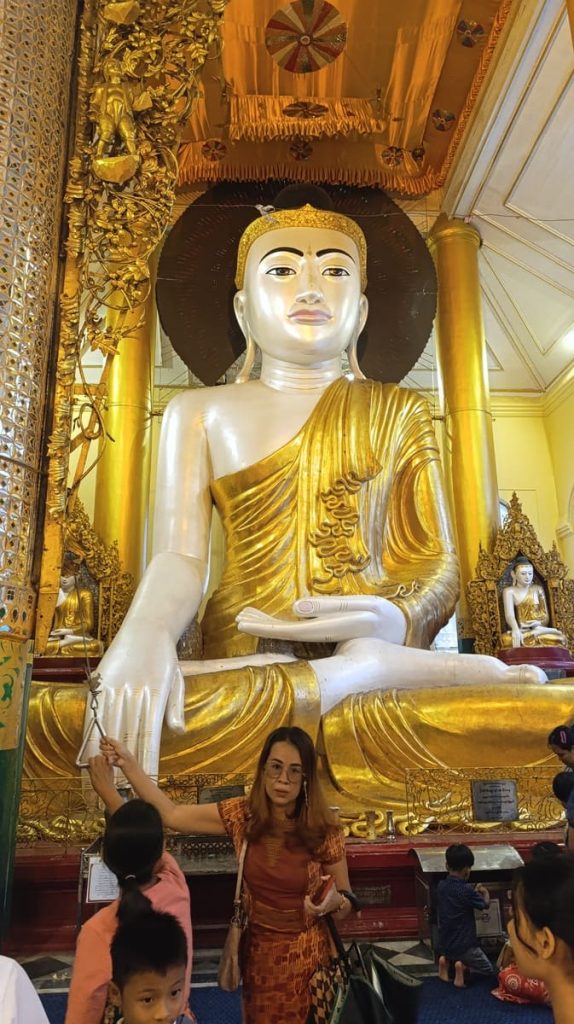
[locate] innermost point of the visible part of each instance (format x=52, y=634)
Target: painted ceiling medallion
x=305, y=35
x=392, y=156
x=305, y=111
x=214, y=150
x=469, y=33
x=443, y=120
x=301, y=149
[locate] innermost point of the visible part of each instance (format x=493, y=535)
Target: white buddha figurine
x=333, y=508
x=526, y=611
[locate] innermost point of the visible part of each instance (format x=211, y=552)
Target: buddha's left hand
x=331, y=620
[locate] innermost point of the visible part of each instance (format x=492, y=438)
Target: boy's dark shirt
x=457, y=901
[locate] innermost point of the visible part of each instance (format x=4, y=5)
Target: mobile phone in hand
x=322, y=890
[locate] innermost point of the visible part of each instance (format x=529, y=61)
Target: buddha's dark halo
x=195, y=286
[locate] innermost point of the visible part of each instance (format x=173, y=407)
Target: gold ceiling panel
x=388, y=91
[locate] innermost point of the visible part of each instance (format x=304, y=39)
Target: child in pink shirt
x=149, y=878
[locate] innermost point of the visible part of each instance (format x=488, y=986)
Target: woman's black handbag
x=399, y=991
x=360, y=987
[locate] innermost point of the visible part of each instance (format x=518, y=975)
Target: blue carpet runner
x=440, y=1004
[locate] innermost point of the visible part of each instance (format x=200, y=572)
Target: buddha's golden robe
x=534, y=608
x=353, y=504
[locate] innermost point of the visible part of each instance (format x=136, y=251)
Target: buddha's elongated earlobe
x=250, y=356
x=352, y=348
x=353, y=361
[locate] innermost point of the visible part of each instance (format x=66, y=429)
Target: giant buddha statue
x=336, y=529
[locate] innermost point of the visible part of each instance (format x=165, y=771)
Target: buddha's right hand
x=516, y=635
x=140, y=685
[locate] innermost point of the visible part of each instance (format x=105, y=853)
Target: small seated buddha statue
x=74, y=619
x=526, y=611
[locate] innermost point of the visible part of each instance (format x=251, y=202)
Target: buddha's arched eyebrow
x=326, y=252
x=282, y=248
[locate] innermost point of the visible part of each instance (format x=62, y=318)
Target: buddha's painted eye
x=335, y=272
x=281, y=271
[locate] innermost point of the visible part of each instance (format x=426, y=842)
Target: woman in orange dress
x=293, y=844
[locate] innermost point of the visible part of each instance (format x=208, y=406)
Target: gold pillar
x=463, y=382
x=570, y=6
x=123, y=472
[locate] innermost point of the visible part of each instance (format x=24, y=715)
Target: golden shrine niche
x=517, y=537
x=100, y=572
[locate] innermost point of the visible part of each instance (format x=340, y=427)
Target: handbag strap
x=239, y=883
x=335, y=937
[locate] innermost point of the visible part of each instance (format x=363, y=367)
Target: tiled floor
x=51, y=973
x=416, y=958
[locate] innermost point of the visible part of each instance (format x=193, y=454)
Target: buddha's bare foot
x=443, y=968
x=459, y=974
x=526, y=674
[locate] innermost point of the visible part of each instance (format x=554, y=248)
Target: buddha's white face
x=523, y=574
x=301, y=301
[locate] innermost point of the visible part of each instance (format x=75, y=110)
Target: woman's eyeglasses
x=274, y=769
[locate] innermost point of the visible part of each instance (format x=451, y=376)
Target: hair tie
x=127, y=877
x=563, y=736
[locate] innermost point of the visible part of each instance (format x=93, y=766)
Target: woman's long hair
x=312, y=818
x=133, y=844
x=543, y=891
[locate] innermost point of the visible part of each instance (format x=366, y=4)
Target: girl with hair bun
x=148, y=878
x=542, y=928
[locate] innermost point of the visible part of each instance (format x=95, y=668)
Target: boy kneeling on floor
x=457, y=901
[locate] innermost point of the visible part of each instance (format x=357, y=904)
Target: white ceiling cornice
x=513, y=180
x=510, y=76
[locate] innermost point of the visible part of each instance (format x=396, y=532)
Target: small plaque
x=102, y=883
x=494, y=800
x=488, y=921
x=214, y=794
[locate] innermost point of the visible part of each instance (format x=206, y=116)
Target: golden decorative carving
x=138, y=71
x=517, y=537
x=63, y=811
x=440, y=799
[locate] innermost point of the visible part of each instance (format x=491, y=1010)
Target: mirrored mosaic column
x=36, y=58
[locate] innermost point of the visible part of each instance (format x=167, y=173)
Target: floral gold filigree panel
x=441, y=799
x=137, y=81
x=62, y=812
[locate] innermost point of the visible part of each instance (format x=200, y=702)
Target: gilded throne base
x=368, y=742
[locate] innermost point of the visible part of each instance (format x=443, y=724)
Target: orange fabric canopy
x=385, y=101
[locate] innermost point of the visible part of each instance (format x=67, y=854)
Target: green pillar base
x=15, y=676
